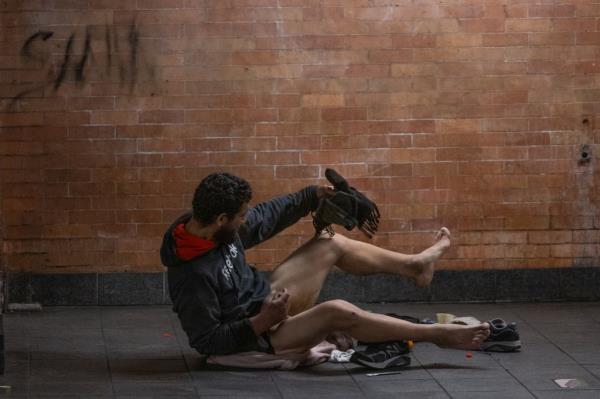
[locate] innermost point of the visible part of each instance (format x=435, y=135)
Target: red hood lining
x=188, y=245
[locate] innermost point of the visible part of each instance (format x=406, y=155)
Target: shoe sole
x=501, y=346
x=395, y=361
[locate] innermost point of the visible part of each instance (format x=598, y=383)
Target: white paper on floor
x=570, y=383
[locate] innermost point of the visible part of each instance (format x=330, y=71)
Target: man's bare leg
x=307, y=329
x=304, y=272
x=363, y=258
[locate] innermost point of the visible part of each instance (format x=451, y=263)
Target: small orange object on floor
x=469, y=355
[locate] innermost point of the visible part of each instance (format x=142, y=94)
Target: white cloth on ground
x=338, y=356
x=283, y=361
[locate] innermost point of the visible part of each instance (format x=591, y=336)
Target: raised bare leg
x=307, y=329
x=305, y=270
x=363, y=258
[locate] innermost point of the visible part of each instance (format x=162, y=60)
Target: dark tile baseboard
x=517, y=285
x=88, y=289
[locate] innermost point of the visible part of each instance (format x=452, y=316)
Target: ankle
x=418, y=263
x=419, y=267
x=431, y=333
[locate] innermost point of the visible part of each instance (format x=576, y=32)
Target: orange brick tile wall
x=470, y=114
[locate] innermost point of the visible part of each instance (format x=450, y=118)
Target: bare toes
x=441, y=233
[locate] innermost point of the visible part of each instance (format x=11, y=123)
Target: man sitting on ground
x=226, y=306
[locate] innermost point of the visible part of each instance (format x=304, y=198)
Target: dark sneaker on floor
x=503, y=337
x=383, y=355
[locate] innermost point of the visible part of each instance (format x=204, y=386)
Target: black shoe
x=383, y=355
x=503, y=337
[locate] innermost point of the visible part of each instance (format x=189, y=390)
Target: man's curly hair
x=220, y=193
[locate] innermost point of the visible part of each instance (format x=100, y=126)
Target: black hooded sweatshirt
x=215, y=293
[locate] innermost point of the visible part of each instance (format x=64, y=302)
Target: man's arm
x=269, y=218
x=200, y=312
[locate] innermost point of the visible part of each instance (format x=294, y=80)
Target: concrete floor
x=141, y=352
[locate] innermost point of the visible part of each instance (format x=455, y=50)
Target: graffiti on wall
x=121, y=57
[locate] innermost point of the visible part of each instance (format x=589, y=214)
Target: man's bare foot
x=460, y=337
x=425, y=261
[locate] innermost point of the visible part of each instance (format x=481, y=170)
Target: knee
x=340, y=314
x=335, y=244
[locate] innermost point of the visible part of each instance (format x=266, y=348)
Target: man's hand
x=274, y=310
x=325, y=191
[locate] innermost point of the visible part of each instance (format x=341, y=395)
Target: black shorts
x=264, y=343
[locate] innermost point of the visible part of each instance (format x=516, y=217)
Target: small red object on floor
x=167, y=335
x=469, y=355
